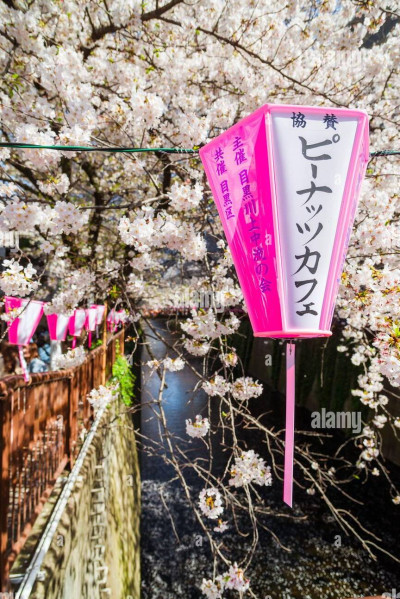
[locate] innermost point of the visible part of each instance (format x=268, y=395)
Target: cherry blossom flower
x=12, y=314
x=46, y=247
x=370, y=454
x=229, y=359
x=235, y=579
x=222, y=526
x=196, y=348
x=210, y=503
x=245, y=388
x=217, y=386
x=199, y=428
x=174, y=364
x=213, y=589
x=380, y=420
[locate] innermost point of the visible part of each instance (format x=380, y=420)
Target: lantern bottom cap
x=294, y=334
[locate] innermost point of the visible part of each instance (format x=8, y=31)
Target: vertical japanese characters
x=315, y=196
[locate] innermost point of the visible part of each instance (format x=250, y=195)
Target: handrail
x=14, y=381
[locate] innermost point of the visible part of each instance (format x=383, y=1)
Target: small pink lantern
x=22, y=328
x=58, y=326
x=100, y=309
x=116, y=318
x=90, y=323
x=76, y=324
x=121, y=317
x=286, y=182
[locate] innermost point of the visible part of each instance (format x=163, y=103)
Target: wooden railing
x=42, y=423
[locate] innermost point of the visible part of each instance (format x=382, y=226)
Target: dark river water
x=318, y=561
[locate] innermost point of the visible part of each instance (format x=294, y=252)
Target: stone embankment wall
x=95, y=551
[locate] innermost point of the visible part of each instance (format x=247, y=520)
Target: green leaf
x=121, y=372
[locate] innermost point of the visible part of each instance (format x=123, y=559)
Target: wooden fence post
x=122, y=341
x=104, y=360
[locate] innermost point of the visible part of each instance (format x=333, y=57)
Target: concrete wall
x=95, y=552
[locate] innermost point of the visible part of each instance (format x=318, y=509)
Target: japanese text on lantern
x=312, y=227
x=251, y=211
x=221, y=170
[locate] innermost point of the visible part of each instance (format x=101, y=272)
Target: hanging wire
x=193, y=150
x=98, y=148
x=385, y=153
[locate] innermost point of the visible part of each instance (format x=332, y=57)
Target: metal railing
x=43, y=425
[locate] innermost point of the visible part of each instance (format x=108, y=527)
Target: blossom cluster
x=250, y=468
x=170, y=364
x=16, y=279
x=102, y=396
x=71, y=359
x=75, y=286
x=234, y=579
x=145, y=231
x=205, y=325
x=242, y=389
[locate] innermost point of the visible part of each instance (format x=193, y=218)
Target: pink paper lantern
x=58, y=326
x=100, y=313
x=91, y=318
x=76, y=324
x=22, y=328
x=286, y=181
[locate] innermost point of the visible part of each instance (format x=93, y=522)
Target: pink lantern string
x=76, y=324
x=286, y=182
x=22, y=328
